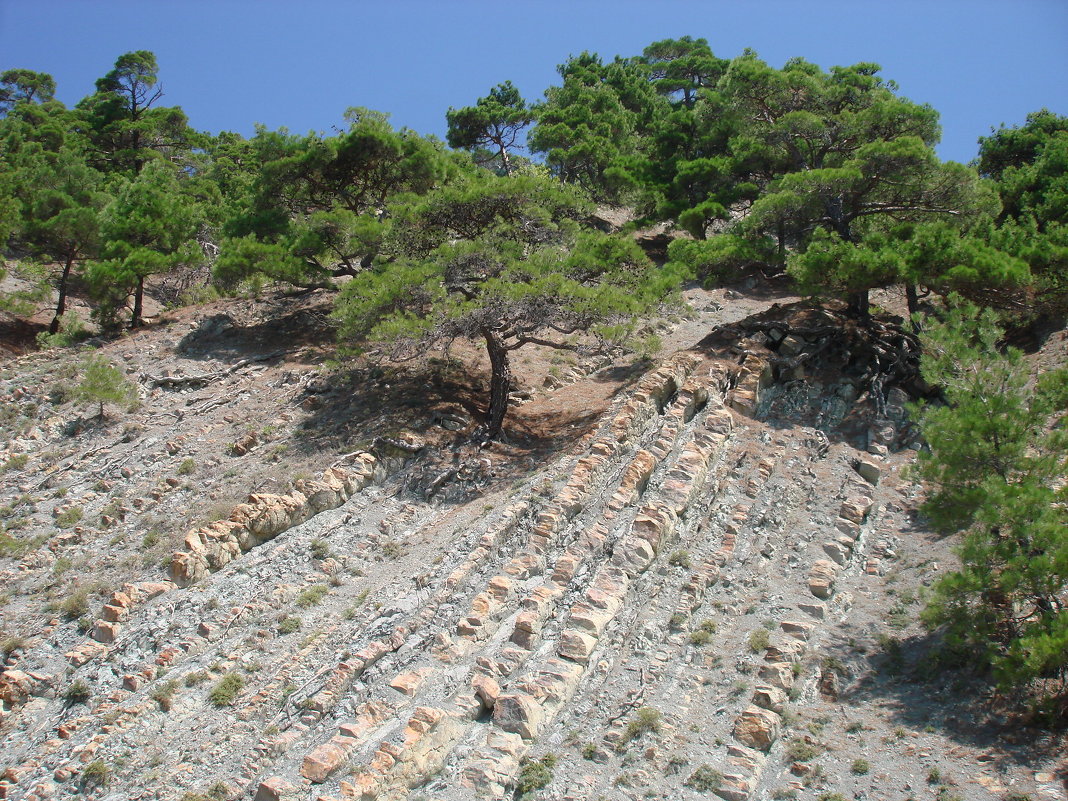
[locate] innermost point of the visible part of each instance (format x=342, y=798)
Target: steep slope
x=711, y=590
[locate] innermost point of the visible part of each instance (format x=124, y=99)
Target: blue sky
x=232, y=63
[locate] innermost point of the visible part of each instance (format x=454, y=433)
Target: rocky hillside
x=692, y=577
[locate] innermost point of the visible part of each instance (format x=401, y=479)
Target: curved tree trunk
x=859, y=307
x=61, y=305
x=500, y=381
x=139, y=304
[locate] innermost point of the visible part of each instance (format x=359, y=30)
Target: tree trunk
x=61, y=305
x=859, y=307
x=500, y=381
x=139, y=304
x=504, y=160
x=913, y=301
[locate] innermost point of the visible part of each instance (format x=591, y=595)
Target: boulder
x=757, y=728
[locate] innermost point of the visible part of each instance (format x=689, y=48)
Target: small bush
x=288, y=625
x=700, y=638
x=69, y=517
x=96, y=774
x=798, y=749
x=187, y=467
x=644, y=721
x=705, y=779
x=164, y=694
x=225, y=691
x=310, y=596
x=589, y=751
x=759, y=640
x=11, y=644
x=535, y=774
x=861, y=767
x=196, y=677
x=77, y=692
x=320, y=549
x=76, y=605
x=16, y=462
x=679, y=559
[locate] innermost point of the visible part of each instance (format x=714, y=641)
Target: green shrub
x=320, y=549
x=798, y=749
x=535, y=774
x=77, y=692
x=705, y=779
x=644, y=721
x=861, y=767
x=225, y=691
x=16, y=462
x=164, y=694
x=310, y=596
x=700, y=638
x=679, y=559
x=75, y=605
x=102, y=383
x=96, y=774
x=196, y=677
x=759, y=640
x=288, y=625
x=69, y=517
x=187, y=467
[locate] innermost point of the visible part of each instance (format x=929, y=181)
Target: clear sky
x=301, y=63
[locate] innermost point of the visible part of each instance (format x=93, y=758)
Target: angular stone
x=838, y=553
x=326, y=759
x=273, y=789
x=518, y=713
x=576, y=645
x=777, y=674
x=768, y=697
x=821, y=579
x=408, y=683
x=486, y=689
x=757, y=728
x=869, y=470
x=855, y=508
x=797, y=628
x=105, y=631
x=818, y=611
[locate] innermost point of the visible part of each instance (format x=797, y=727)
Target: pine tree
x=997, y=465
x=102, y=383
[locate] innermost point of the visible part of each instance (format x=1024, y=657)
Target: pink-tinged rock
x=486, y=689
x=777, y=674
x=768, y=697
x=757, y=728
x=327, y=758
x=576, y=645
x=821, y=579
x=114, y=614
x=273, y=789
x=518, y=713
x=855, y=509
x=590, y=619
x=106, y=631
x=798, y=629
x=408, y=683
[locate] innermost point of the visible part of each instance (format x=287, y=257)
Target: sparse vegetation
x=535, y=774
x=77, y=692
x=705, y=779
x=679, y=559
x=311, y=596
x=759, y=639
x=645, y=721
x=225, y=691
x=288, y=625
x=860, y=767
x=163, y=694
